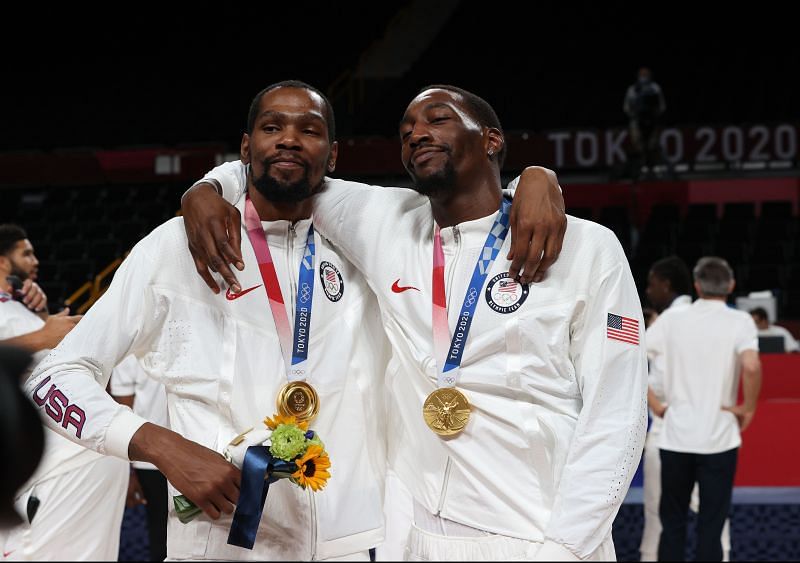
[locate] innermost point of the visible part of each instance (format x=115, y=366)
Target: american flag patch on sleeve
x=623, y=328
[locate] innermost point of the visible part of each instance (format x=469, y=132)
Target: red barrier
x=770, y=453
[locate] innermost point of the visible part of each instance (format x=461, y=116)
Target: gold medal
x=446, y=411
x=298, y=399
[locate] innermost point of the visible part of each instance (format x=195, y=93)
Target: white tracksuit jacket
x=221, y=363
x=559, y=409
x=78, y=489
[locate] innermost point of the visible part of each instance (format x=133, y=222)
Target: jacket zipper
x=444, y=486
x=313, y=524
x=293, y=292
x=290, y=269
x=456, y=256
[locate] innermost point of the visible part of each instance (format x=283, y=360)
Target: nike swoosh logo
x=397, y=289
x=231, y=296
x=7, y=553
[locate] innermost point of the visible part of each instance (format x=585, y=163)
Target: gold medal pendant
x=446, y=411
x=298, y=399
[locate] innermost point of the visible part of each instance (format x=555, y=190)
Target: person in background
x=73, y=503
x=761, y=319
x=131, y=386
x=644, y=105
x=702, y=425
x=669, y=285
x=24, y=318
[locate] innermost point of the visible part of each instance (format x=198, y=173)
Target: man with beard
x=25, y=321
x=518, y=436
x=223, y=358
x=72, y=506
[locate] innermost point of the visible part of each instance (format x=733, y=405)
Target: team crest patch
x=504, y=294
x=332, y=282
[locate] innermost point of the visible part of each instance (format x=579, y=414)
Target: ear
x=493, y=142
x=244, y=149
x=332, y=156
x=731, y=286
x=697, y=289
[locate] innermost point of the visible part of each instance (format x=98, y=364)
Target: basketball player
x=517, y=412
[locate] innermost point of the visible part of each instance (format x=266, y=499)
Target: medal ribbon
x=296, y=365
x=258, y=472
x=447, y=373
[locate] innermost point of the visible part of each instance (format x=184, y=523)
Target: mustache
x=443, y=147
x=285, y=156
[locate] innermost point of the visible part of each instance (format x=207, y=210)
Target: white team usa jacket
x=220, y=360
x=557, y=386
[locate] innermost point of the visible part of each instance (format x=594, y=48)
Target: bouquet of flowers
x=288, y=450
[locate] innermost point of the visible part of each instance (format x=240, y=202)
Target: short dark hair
x=714, y=276
x=10, y=235
x=254, y=105
x=676, y=272
x=479, y=109
x=760, y=312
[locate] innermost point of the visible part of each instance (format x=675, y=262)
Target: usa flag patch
x=623, y=328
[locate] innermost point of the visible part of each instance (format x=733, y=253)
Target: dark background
x=135, y=74
x=154, y=75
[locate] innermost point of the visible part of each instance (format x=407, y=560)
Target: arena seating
x=77, y=231
x=764, y=250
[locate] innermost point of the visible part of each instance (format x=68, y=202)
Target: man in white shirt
x=761, y=318
x=73, y=504
x=705, y=347
x=131, y=386
x=669, y=286
x=222, y=357
x=539, y=464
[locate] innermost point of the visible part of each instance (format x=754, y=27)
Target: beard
x=437, y=183
x=19, y=272
x=278, y=191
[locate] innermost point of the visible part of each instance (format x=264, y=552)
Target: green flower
x=288, y=442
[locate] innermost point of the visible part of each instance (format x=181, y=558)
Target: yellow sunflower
x=278, y=419
x=312, y=468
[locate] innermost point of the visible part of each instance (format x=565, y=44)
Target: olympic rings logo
x=305, y=293
x=471, y=296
